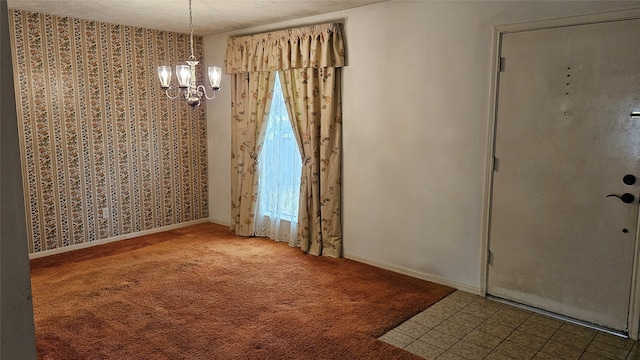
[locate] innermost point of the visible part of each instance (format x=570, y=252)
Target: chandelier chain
x=191, y=27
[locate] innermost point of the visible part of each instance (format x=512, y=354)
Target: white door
x=566, y=138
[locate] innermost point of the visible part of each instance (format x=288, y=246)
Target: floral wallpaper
x=104, y=151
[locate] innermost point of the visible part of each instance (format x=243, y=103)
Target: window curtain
x=250, y=102
x=310, y=59
x=313, y=101
x=279, y=169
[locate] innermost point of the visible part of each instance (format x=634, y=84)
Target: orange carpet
x=201, y=292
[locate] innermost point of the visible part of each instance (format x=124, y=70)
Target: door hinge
x=494, y=164
x=501, y=62
x=489, y=257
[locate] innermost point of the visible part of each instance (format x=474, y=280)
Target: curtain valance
x=315, y=46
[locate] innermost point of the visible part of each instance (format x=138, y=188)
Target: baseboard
x=220, y=222
x=40, y=254
x=419, y=275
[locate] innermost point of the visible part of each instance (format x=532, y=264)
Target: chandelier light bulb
x=164, y=73
x=215, y=75
x=183, y=73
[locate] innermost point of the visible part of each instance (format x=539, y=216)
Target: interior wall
x=104, y=152
x=219, y=136
x=416, y=103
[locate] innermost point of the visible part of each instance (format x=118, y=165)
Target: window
x=279, y=170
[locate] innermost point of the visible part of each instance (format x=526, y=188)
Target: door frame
x=499, y=31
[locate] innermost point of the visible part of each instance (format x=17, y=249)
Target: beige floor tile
x=452, y=304
x=411, y=328
x=571, y=339
x=483, y=339
x=516, y=312
x=515, y=351
x=448, y=355
x=590, y=356
x=463, y=296
x=538, y=329
x=469, y=350
x=489, y=303
x=458, y=303
x=497, y=356
x=499, y=331
x=397, y=339
x=466, y=319
x=578, y=330
x=442, y=310
x=439, y=339
x=615, y=341
x=453, y=328
x=483, y=308
x=545, y=321
x=543, y=356
x=507, y=319
x=427, y=320
x=478, y=312
x=633, y=355
x=425, y=350
x=560, y=350
x=608, y=351
x=529, y=340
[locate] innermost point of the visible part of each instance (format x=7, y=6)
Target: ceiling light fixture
x=186, y=75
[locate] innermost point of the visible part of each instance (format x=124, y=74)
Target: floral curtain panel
x=249, y=109
x=310, y=58
x=313, y=100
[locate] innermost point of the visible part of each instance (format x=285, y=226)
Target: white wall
x=219, y=136
x=416, y=99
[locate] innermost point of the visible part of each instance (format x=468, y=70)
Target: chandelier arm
x=172, y=97
x=203, y=91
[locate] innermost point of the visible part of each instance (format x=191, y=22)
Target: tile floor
x=465, y=326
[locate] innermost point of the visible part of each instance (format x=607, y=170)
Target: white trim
x=416, y=274
x=630, y=14
x=488, y=180
x=620, y=15
x=115, y=238
x=633, y=322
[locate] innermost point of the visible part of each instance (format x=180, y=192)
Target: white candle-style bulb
x=215, y=75
x=183, y=72
x=164, y=74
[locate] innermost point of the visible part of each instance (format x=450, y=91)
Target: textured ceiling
x=209, y=16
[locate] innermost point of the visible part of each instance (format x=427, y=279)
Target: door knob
x=629, y=179
x=626, y=197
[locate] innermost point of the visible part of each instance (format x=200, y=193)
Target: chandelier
x=186, y=75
